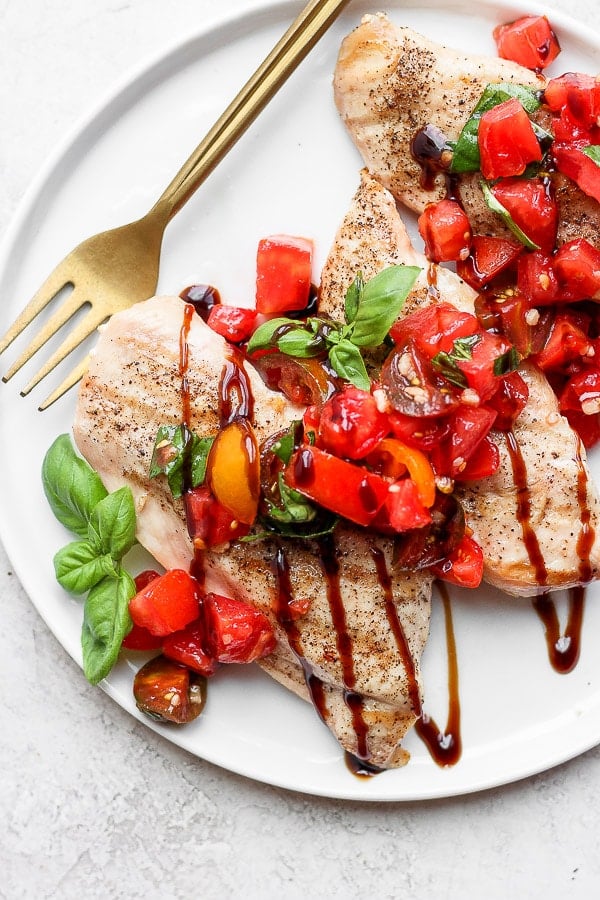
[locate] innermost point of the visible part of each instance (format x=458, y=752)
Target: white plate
x=294, y=171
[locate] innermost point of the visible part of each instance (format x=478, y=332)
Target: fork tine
x=72, y=378
x=50, y=288
x=70, y=306
x=83, y=330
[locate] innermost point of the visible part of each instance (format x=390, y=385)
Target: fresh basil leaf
x=380, y=304
x=78, y=567
x=180, y=454
x=112, y=524
x=295, y=507
x=106, y=621
x=466, y=152
x=71, y=486
x=352, y=298
x=347, y=361
x=447, y=366
x=507, y=362
x=494, y=204
x=266, y=336
x=593, y=151
x=287, y=443
x=300, y=342
x=323, y=524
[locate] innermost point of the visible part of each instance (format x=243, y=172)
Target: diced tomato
x=509, y=400
x=507, y=141
x=479, y=366
x=579, y=167
x=141, y=639
x=209, y=523
x=525, y=328
x=587, y=427
x=434, y=328
x=234, y=323
x=529, y=41
x=403, y=509
x=578, y=95
x=424, y=434
x=283, y=273
x=350, y=424
x=489, y=257
x=464, y=566
x=236, y=632
x=167, y=604
x=581, y=393
x=337, y=485
x=144, y=578
x=532, y=208
x=536, y=278
x=577, y=266
x=483, y=462
x=468, y=427
x=188, y=647
x=567, y=341
x=446, y=231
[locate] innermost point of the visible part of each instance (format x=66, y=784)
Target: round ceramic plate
x=294, y=171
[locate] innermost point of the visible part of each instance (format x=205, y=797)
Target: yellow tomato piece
x=397, y=457
x=234, y=470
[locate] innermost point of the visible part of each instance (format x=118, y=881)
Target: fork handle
x=290, y=50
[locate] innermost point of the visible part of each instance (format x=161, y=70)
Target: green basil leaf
x=300, y=342
x=466, y=152
x=71, y=486
x=265, y=335
x=593, y=151
x=106, y=621
x=112, y=524
x=347, y=361
x=508, y=362
x=287, y=443
x=494, y=204
x=180, y=453
x=352, y=298
x=295, y=507
x=447, y=366
x=78, y=567
x=380, y=304
x=323, y=524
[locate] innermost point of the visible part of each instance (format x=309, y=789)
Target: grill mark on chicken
x=133, y=386
x=563, y=501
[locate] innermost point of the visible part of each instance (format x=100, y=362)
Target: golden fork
x=115, y=269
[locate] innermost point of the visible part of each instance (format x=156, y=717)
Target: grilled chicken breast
x=390, y=82
x=356, y=652
x=537, y=519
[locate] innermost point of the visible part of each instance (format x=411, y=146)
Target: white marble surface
x=93, y=804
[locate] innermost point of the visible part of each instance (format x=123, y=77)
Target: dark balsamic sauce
x=202, y=297
x=235, y=391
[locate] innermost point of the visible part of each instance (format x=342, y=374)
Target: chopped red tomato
x=284, y=269
x=209, y=523
x=483, y=462
x=392, y=458
x=531, y=207
x=577, y=266
x=468, y=427
x=529, y=41
x=342, y=487
x=536, y=278
x=434, y=328
x=464, y=566
x=480, y=363
x=167, y=604
x=581, y=393
x=509, y=401
x=579, y=167
x=403, y=509
x=424, y=434
x=141, y=639
x=234, y=323
x=489, y=257
x=507, y=141
x=446, y=231
x=576, y=94
x=587, y=427
x=236, y=632
x=350, y=423
x=188, y=647
x=567, y=341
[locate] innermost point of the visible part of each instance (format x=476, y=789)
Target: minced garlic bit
x=470, y=397
x=591, y=407
x=381, y=400
x=532, y=316
x=444, y=484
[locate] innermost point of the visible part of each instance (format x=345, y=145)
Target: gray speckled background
x=95, y=805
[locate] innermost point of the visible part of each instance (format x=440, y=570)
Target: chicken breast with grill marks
x=532, y=527
x=356, y=652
